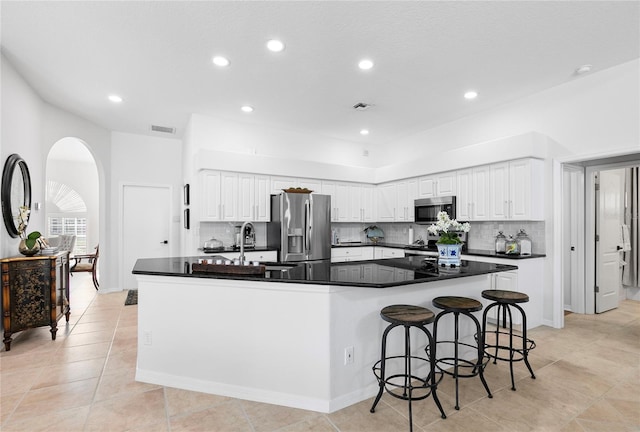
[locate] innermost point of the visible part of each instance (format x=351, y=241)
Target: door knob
x=164, y=242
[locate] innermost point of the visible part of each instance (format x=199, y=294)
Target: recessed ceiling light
x=275, y=45
x=584, y=69
x=365, y=64
x=115, y=98
x=364, y=132
x=220, y=61
x=471, y=94
x=247, y=108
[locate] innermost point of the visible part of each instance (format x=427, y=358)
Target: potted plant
x=449, y=243
x=374, y=233
x=29, y=243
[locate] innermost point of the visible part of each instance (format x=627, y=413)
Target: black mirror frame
x=10, y=165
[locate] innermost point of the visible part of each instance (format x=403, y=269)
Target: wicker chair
x=90, y=265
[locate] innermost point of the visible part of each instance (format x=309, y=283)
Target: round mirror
x=16, y=193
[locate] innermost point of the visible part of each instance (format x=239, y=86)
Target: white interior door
x=146, y=226
x=573, y=238
x=609, y=220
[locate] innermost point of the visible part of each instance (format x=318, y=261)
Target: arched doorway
x=72, y=194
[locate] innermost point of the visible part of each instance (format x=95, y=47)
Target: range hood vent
x=163, y=129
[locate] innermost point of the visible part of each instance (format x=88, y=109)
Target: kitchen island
x=283, y=338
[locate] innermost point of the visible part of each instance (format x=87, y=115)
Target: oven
x=427, y=209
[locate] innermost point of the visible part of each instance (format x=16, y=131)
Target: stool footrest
x=518, y=353
x=396, y=383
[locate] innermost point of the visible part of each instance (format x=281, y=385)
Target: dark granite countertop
x=237, y=249
x=474, y=252
x=369, y=274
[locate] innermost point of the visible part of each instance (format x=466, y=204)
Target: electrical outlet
x=348, y=355
x=147, y=337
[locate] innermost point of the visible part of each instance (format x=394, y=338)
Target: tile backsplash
x=482, y=234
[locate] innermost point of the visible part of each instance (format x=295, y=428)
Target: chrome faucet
x=243, y=239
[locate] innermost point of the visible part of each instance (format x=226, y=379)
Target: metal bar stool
x=464, y=306
x=401, y=385
x=504, y=300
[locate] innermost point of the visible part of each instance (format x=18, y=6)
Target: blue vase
x=449, y=254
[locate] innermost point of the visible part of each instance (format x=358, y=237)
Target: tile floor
x=587, y=380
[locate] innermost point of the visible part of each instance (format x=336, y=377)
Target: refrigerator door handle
x=307, y=227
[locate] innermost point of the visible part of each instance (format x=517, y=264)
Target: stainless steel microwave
x=427, y=209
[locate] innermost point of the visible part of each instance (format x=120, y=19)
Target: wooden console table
x=35, y=293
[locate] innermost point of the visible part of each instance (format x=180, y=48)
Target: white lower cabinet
x=344, y=254
x=262, y=256
x=385, y=252
x=528, y=279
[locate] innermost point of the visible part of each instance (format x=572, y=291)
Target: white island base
x=279, y=343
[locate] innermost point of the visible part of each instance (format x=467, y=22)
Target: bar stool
x=464, y=306
x=407, y=316
x=504, y=300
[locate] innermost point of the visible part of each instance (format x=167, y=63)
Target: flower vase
x=449, y=254
x=24, y=250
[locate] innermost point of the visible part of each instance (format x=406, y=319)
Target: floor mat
x=132, y=298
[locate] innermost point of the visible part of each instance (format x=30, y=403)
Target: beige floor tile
x=465, y=420
x=127, y=412
x=573, y=426
x=184, y=401
x=598, y=426
x=121, y=384
x=357, y=418
x=93, y=327
x=224, y=417
x=576, y=378
x=425, y=411
x=316, y=424
x=70, y=420
x=69, y=372
x=77, y=353
x=88, y=338
x=48, y=400
x=267, y=417
x=19, y=381
x=120, y=360
x=629, y=410
x=7, y=405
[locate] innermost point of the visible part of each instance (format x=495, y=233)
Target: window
x=70, y=225
x=68, y=215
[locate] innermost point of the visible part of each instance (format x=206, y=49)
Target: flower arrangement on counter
x=448, y=229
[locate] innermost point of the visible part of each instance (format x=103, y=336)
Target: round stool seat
x=407, y=315
x=457, y=304
x=507, y=297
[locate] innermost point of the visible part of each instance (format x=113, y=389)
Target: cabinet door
x=280, y=183
x=210, y=196
x=507, y=281
x=427, y=187
x=499, y=191
x=311, y=184
x=446, y=184
x=262, y=199
x=526, y=189
x=355, y=203
x=387, y=202
x=246, y=197
x=329, y=188
x=412, y=195
x=368, y=203
x=464, y=199
x=402, y=199
x=342, y=203
x=481, y=193
x=229, y=196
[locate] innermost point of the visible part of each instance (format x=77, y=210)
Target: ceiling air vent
x=361, y=106
x=163, y=129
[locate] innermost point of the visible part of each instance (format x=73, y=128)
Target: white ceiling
x=157, y=56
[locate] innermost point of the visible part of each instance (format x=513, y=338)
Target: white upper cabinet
x=396, y=201
x=369, y=203
x=435, y=185
x=343, y=209
x=516, y=190
x=350, y=202
x=234, y=197
x=311, y=184
x=472, y=199
x=210, y=195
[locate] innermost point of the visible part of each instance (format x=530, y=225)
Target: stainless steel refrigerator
x=300, y=226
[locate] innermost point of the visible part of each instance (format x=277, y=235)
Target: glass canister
x=511, y=246
x=501, y=242
x=524, y=243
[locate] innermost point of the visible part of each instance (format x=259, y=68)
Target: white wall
x=145, y=160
